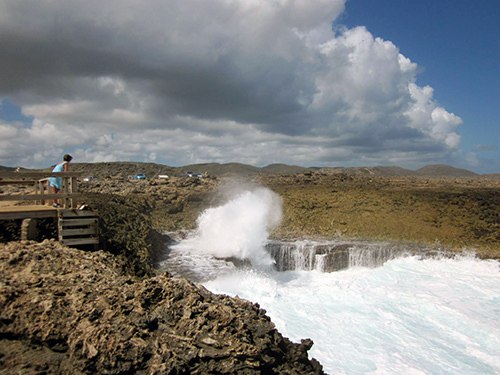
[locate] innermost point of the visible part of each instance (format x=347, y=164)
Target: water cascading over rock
x=333, y=256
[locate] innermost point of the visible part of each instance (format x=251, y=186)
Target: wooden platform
x=27, y=212
x=74, y=227
x=35, y=188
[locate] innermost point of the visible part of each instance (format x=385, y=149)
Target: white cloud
x=431, y=119
x=8, y=131
x=179, y=82
x=364, y=79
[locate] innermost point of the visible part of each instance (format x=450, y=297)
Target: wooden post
x=28, y=230
x=65, y=189
x=40, y=189
x=74, y=189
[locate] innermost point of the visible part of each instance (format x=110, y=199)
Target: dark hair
x=67, y=157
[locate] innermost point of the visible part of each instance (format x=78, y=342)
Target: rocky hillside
x=6, y=169
x=66, y=311
x=369, y=171
x=122, y=170
x=429, y=171
x=173, y=203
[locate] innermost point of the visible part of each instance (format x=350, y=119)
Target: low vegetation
x=455, y=213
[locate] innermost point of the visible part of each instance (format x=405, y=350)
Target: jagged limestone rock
x=67, y=311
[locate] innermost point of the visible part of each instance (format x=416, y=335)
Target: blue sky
x=457, y=45
x=407, y=83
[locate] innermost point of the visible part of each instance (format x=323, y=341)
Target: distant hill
x=12, y=169
x=492, y=175
x=393, y=171
x=6, y=169
x=444, y=170
x=437, y=170
x=367, y=171
x=124, y=169
x=216, y=169
x=284, y=169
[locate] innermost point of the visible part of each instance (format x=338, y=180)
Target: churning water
x=405, y=314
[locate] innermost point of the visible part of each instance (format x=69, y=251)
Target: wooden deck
x=75, y=227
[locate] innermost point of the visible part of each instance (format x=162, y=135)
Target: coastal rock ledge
x=67, y=311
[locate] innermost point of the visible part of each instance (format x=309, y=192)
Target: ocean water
x=410, y=315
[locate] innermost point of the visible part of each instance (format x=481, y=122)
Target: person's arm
x=66, y=167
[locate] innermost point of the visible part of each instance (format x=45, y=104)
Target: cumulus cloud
x=431, y=119
x=179, y=82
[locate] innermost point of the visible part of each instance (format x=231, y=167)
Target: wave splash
x=239, y=228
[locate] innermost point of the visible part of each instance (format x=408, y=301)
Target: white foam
x=408, y=316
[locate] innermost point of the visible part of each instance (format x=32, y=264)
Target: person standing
x=56, y=182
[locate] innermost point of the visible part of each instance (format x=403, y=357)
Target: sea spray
x=239, y=228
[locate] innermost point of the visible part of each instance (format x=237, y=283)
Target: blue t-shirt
x=57, y=181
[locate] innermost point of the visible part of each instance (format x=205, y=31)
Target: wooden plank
x=65, y=213
x=17, y=182
x=80, y=241
x=77, y=232
x=74, y=184
x=77, y=222
x=25, y=207
x=35, y=197
x=14, y=215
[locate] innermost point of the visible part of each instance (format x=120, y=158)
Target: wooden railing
x=41, y=192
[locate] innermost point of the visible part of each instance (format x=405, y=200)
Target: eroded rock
x=67, y=311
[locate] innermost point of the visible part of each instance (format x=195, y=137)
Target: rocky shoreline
x=68, y=311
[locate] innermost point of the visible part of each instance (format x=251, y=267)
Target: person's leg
x=55, y=191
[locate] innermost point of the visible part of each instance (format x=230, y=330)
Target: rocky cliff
x=67, y=311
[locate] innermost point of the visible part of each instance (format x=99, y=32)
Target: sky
x=331, y=83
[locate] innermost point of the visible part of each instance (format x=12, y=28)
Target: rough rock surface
x=126, y=230
x=67, y=311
